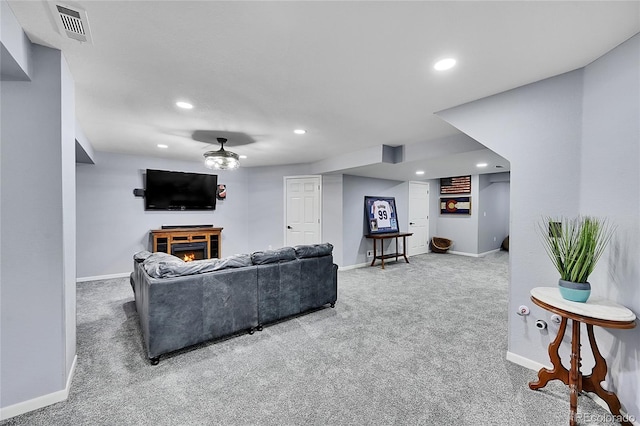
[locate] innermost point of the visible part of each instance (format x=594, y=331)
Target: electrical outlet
x=369, y=253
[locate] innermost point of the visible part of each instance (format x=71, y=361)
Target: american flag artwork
x=455, y=185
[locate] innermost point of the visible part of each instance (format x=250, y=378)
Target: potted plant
x=575, y=246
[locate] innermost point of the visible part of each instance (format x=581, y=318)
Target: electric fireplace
x=190, y=251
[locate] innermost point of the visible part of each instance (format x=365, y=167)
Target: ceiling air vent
x=72, y=21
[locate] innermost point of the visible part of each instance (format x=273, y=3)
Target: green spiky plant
x=575, y=244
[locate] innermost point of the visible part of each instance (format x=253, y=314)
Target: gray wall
x=493, y=213
x=68, y=177
x=38, y=232
x=355, y=245
x=265, y=193
x=434, y=207
x=113, y=225
x=332, y=214
x=563, y=161
x=488, y=224
x=610, y=160
x=462, y=229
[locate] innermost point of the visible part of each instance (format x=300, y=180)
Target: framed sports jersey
x=381, y=215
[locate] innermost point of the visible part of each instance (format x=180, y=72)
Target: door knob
x=411, y=223
x=288, y=227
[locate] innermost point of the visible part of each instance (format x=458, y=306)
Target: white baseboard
x=41, y=401
x=488, y=252
x=462, y=253
x=102, y=277
x=536, y=366
x=348, y=268
x=525, y=362
x=368, y=263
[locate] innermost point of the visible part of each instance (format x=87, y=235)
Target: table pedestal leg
x=396, y=249
x=575, y=377
x=591, y=383
x=374, y=252
x=404, y=249
x=558, y=371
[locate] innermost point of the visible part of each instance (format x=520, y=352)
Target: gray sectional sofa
x=184, y=303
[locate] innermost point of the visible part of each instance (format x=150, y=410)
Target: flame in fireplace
x=189, y=257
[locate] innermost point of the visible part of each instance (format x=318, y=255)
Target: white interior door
x=418, y=218
x=302, y=221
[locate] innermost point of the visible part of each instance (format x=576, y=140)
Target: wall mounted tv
x=166, y=190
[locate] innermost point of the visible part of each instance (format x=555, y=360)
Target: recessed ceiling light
x=481, y=165
x=299, y=131
x=184, y=105
x=420, y=172
x=163, y=146
x=243, y=157
x=445, y=64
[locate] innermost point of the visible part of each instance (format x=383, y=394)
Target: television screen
x=165, y=190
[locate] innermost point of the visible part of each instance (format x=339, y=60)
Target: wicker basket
x=440, y=245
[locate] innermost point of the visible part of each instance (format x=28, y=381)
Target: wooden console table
x=382, y=237
x=596, y=311
x=164, y=239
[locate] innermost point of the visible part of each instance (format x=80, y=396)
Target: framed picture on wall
x=381, y=214
x=455, y=185
x=455, y=205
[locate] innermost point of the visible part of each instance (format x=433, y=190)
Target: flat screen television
x=167, y=190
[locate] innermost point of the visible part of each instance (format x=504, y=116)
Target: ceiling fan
x=221, y=159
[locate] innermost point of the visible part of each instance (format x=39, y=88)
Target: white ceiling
x=354, y=74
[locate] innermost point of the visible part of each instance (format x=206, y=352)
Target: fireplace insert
x=190, y=251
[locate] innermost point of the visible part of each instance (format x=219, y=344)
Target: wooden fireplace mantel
x=164, y=239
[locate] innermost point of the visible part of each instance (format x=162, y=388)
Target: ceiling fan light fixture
x=221, y=159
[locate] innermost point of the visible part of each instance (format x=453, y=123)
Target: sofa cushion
x=313, y=250
x=156, y=262
x=170, y=269
x=234, y=261
x=284, y=254
x=160, y=256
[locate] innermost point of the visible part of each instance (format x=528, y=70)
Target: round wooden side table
x=596, y=311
